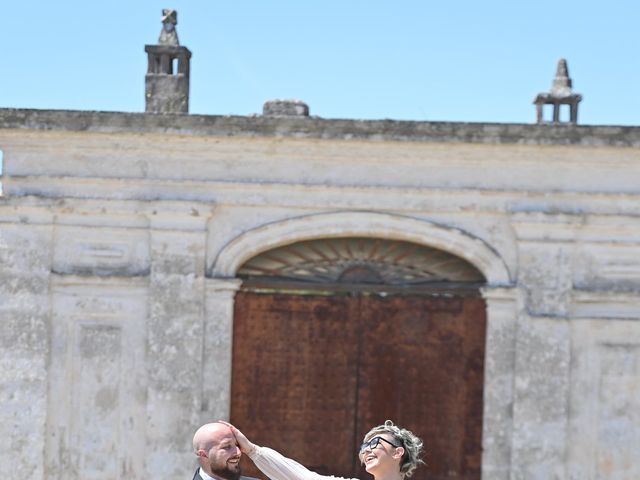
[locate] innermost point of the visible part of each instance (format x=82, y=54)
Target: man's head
x=217, y=451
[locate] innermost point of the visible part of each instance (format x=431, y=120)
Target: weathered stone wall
x=120, y=235
x=25, y=269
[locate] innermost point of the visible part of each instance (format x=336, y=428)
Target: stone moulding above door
x=364, y=224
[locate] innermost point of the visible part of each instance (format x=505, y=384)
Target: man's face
x=224, y=457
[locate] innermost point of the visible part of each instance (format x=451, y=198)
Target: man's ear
x=201, y=453
x=399, y=452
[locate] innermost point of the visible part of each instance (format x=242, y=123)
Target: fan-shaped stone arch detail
x=361, y=224
x=359, y=260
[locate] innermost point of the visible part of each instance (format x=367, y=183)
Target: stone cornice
x=314, y=127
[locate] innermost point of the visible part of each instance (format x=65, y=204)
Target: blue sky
x=467, y=61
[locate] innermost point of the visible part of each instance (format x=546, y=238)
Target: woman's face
x=381, y=453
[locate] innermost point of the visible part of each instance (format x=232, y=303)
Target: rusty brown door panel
x=422, y=367
x=312, y=374
x=294, y=377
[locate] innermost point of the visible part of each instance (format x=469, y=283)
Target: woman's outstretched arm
x=273, y=464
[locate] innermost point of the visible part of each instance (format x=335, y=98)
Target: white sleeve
x=278, y=467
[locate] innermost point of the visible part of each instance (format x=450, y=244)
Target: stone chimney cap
x=285, y=108
x=168, y=34
x=561, y=90
x=561, y=86
x=560, y=94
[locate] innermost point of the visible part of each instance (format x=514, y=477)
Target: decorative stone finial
x=560, y=94
x=168, y=34
x=285, y=108
x=561, y=86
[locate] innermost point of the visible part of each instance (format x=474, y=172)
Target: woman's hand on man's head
x=243, y=442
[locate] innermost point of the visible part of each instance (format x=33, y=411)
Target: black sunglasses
x=374, y=442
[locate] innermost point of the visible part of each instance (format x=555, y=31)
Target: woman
x=388, y=452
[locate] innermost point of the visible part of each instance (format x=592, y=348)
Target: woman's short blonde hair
x=411, y=443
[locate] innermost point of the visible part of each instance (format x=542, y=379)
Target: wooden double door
x=312, y=374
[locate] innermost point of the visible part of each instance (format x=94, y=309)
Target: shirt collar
x=206, y=476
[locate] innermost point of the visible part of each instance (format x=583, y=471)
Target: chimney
x=167, y=79
x=560, y=94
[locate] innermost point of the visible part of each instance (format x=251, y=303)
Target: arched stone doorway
x=335, y=335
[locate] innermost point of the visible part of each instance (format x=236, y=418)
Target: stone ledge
x=314, y=127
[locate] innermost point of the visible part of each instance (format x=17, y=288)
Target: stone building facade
x=122, y=237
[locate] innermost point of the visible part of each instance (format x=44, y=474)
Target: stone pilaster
x=547, y=245
x=542, y=388
x=217, y=348
x=499, y=371
x=25, y=257
x=174, y=349
x=545, y=273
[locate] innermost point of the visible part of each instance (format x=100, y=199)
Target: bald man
x=218, y=453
